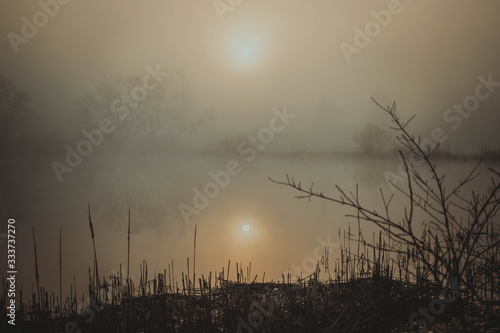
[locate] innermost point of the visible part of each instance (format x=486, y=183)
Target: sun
x=245, y=229
x=246, y=46
x=245, y=52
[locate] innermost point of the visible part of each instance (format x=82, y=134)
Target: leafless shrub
x=458, y=238
x=374, y=139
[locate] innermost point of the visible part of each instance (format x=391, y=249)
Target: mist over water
x=226, y=81
x=284, y=231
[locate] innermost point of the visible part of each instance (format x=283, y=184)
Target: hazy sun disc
x=245, y=52
x=245, y=228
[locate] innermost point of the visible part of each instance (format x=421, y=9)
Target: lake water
x=284, y=232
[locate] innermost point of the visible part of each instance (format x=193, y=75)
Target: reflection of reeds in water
x=372, y=287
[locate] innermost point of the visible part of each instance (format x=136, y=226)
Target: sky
x=321, y=60
x=268, y=54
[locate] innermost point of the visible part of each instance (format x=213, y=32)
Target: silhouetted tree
x=167, y=111
x=373, y=139
x=453, y=235
x=14, y=110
